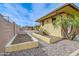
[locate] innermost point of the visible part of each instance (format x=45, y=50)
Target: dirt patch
x=20, y=38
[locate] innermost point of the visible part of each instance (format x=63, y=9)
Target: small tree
x=69, y=23
x=44, y=31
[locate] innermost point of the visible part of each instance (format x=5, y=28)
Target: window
x=53, y=19
x=42, y=23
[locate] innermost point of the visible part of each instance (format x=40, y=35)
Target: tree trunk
x=70, y=35
x=73, y=34
x=65, y=32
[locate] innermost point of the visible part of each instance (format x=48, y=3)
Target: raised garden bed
x=61, y=48
x=46, y=38
x=21, y=42
x=20, y=38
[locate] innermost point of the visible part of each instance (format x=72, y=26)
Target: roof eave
x=39, y=20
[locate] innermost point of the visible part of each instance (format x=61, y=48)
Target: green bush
x=43, y=31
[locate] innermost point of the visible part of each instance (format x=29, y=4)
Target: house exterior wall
x=58, y=31
x=6, y=31
x=53, y=31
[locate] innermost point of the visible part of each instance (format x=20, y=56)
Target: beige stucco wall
x=57, y=31
x=53, y=31
x=6, y=31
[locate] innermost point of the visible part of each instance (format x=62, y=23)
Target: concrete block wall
x=7, y=31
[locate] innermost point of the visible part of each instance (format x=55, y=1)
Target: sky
x=25, y=14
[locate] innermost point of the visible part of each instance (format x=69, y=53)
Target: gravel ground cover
x=30, y=52
x=77, y=54
x=61, y=48
x=20, y=38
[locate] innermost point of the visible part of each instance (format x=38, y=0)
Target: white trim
x=11, y=41
x=21, y=43
x=32, y=37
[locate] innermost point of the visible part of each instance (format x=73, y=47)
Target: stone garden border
x=21, y=46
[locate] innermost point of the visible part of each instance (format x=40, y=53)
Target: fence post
x=14, y=28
